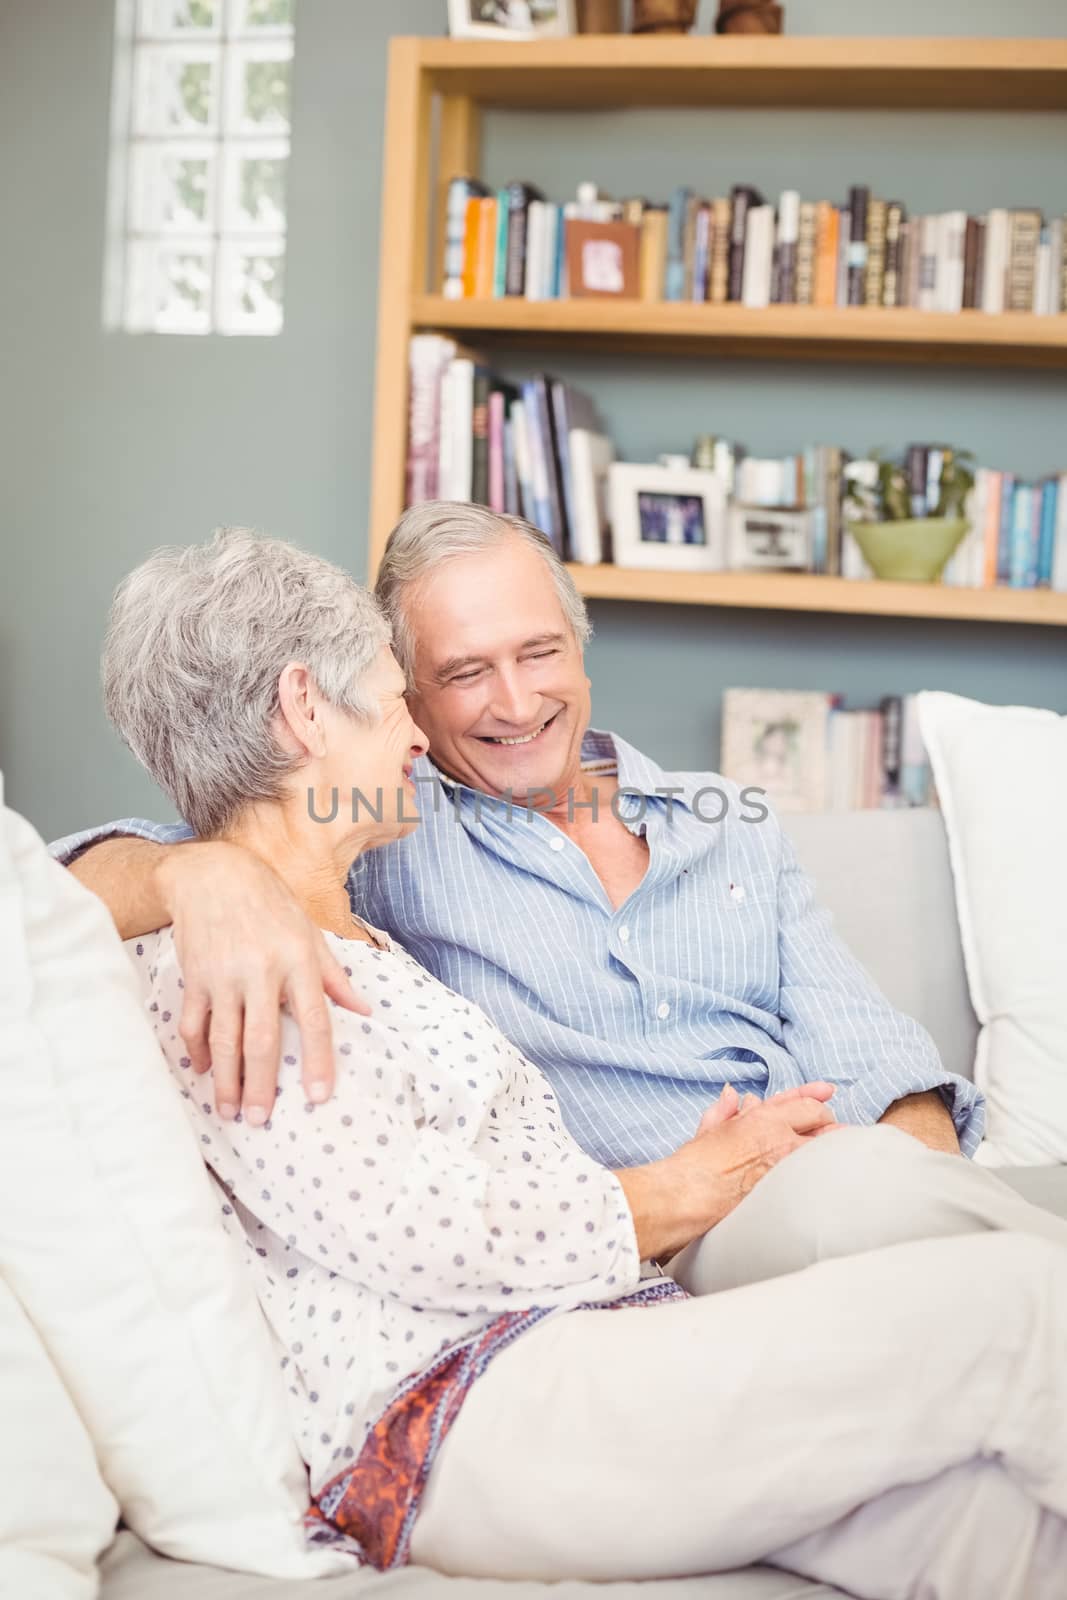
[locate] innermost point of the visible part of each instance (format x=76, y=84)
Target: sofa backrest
x=885, y=876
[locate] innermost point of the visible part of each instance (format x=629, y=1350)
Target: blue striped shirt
x=719, y=967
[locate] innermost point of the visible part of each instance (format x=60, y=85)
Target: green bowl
x=909, y=552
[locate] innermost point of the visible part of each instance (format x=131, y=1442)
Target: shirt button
x=558, y=842
x=624, y=933
x=663, y=1011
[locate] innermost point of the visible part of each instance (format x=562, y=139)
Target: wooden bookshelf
x=858, y=333
x=789, y=591
x=438, y=89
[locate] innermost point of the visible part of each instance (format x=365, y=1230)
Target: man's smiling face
x=500, y=685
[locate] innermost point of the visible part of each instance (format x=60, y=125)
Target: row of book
x=534, y=449
x=740, y=248
x=538, y=449
x=810, y=753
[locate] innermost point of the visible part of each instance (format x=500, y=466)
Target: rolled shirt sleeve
x=67, y=850
x=839, y=1026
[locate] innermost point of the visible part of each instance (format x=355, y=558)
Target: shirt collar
x=636, y=772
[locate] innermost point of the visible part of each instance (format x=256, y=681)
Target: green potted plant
x=896, y=544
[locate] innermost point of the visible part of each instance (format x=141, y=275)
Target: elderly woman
x=436, y=1254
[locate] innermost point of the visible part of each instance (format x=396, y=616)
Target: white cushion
x=1001, y=774
x=110, y=1235
x=56, y=1513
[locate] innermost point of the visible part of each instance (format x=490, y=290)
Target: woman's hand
x=246, y=948
x=731, y=1104
x=678, y=1199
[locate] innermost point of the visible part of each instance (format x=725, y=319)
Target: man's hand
x=678, y=1199
x=246, y=948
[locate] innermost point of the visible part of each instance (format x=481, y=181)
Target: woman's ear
x=301, y=727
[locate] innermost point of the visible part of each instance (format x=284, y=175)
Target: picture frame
x=777, y=740
x=512, y=19
x=770, y=538
x=669, y=519
x=603, y=260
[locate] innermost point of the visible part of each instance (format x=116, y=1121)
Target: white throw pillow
x=56, y=1513
x=1001, y=774
x=110, y=1235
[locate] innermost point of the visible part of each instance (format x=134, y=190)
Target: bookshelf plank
x=787, y=591
x=740, y=70
x=841, y=333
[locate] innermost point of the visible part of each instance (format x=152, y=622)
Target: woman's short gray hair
x=437, y=530
x=196, y=642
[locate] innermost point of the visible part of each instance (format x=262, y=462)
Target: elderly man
x=646, y=937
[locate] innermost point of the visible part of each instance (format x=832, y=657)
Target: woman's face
x=370, y=766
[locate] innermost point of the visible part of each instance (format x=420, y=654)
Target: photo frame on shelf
x=603, y=260
x=512, y=19
x=667, y=518
x=776, y=740
x=770, y=538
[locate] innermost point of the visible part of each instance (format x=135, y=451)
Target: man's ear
x=301, y=727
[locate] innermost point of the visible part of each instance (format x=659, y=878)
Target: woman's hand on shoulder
x=246, y=947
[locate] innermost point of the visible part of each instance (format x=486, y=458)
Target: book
x=858, y=200
x=759, y=248
x=743, y=198
x=788, y=234
x=571, y=409
x=591, y=456
x=460, y=191
x=892, y=278
x=653, y=253
x=674, y=275
x=519, y=197
x=429, y=356
x=500, y=246
x=1022, y=258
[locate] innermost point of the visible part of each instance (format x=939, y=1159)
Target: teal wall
x=110, y=445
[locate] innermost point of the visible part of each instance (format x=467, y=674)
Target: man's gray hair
x=196, y=642
x=437, y=530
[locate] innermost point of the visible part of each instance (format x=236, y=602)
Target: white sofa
x=886, y=877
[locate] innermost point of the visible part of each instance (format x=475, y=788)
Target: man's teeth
x=523, y=739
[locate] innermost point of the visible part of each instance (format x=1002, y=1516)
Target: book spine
x=916, y=468
x=742, y=199
x=1022, y=517
x=561, y=428
x=519, y=198
x=1059, y=542
x=1047, y=537
x=719, y=286
x=480, y=437
x=759, y=245
x=979, y=270
x=470, y=248
x=1004, y=537
x=822, y=293
x=692, y=209
x=674, y=287
x=892, y=714
x=874, y=280
x=500, y=246
x=427, y=357
x=970, y=263
x=539, y=448
x=955, y=230
x=701, y=253
x=788, y=236
x=991, y=531
x=496, y=496
x=653, y=253
x=894, y=220
x=858, y=201
x=1022, y=258
x=807, y=220
x=844, y=240
x=915, y=257
x=512, y=500
x=929, y=229
x=485, y=266
x=459, y=192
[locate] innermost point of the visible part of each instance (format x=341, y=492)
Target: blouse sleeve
x=369, y=1187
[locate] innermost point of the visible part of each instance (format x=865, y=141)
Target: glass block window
x=199, y=161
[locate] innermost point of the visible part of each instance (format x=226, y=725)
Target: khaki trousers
x=849, y=1396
